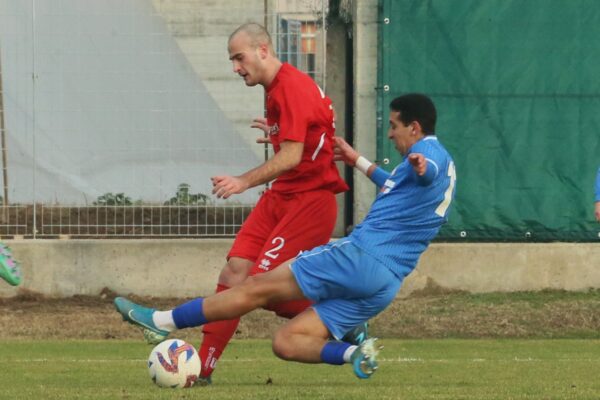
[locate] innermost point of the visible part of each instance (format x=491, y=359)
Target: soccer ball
x=174, y=364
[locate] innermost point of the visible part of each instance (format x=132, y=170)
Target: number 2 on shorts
x=279, y=242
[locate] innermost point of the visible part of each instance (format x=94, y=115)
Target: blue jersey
x=598, y=185
x=409, y=210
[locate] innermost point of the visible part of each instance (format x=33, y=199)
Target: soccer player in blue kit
x=355, y=278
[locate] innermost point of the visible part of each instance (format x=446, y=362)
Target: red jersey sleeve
x=299, y=111
x=294, y=113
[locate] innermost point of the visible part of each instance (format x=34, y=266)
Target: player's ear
x=415, y=128
x=263, y=51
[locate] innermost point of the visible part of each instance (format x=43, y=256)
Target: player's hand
x=598, y=211
x=342, y=151
x=417, y=160
x=262, y=140
x=225, y=186
x=261, y=123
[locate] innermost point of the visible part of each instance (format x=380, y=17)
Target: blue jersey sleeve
x=598, y=185
x=379, y=176
x=433, y=158
x=431, y=172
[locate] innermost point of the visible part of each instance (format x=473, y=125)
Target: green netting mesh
x=517, y=87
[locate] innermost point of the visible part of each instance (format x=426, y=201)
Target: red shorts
x=283, y=225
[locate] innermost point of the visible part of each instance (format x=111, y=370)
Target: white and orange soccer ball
x=174, y=364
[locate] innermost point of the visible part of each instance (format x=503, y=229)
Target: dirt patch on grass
x=431, y=314
x=30, y=315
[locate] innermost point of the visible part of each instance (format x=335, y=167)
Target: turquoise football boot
x=141, y=317
x=364, y=359
x=10, y=269
x=357, y=335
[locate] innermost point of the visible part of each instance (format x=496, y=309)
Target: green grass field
x=410, y=369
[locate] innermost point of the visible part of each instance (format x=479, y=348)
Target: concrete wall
x=365, y=101
x=162, y=268
x=336, y=90
x=505, y=267
x=185, y=268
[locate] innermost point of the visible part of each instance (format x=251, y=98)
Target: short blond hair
x=258, y=34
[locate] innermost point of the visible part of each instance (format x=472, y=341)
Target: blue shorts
x=348, y=286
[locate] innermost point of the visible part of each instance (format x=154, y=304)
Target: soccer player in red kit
x=299, y=211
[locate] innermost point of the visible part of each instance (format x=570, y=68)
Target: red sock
x=216, y=337
x=289, y=309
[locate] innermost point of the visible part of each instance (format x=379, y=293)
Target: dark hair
x=416, y=107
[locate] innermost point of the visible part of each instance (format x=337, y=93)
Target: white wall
x=186, y=268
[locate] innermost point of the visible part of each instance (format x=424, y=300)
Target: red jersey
x=299, y=111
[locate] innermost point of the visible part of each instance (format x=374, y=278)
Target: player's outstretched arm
x=597, y=211
x=346, y=153
x=425, y=169
x=225, y=185
x=288, y=157
x=418, y=162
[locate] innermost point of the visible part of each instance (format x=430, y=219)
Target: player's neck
x=271, y=72
x=418, y=137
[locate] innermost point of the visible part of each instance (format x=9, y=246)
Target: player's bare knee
x=282, y=345
x=254, y=293
x=233, y=274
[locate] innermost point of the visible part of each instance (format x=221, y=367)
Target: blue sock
x=189, y=314
x=333, y=352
